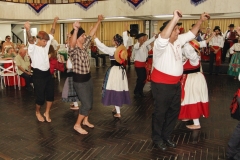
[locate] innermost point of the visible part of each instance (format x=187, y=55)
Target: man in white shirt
x=216, y=45
x=141, y=54
x=166, y=75
x=42, y=79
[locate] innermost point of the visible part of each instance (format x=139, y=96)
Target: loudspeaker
x=133, y=30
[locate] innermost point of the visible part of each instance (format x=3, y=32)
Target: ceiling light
x=114, y=17
x=71, y=19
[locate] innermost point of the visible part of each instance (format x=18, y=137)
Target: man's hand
x=204, y=16
x=177, y=14
x=56, y=19
x=27, y=26
x=76, y=25
x=100, y=17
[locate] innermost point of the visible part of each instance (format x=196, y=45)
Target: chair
x=8, y=70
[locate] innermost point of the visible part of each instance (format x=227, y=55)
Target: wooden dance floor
x=128, y=138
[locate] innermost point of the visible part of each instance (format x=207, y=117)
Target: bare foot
x=193, y=126
x=88, y=124
x=118, y=115
x=47, y=117
x=40, y=117
x=80, y=130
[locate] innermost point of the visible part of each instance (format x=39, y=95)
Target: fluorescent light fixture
x=114, y=17
x=164, y=16
x=79, y=19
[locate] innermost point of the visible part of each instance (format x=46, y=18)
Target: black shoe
x=170, y=143
x=29, y=89
x=137, y=95
x=161, y=146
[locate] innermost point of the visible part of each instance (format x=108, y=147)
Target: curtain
x=107, y=30
x=47, y=28
x=222, y=23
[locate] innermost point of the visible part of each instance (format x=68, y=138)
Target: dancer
x=194, y=87
x=141, y=54
x=42, y=79
x=234, y=66
x=216, y=45
x=166, y=75
x=82, y=82
x=115, y=86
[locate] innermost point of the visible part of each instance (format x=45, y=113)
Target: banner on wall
x=86, y=4
x=197, y=2
x=135, y=3
x=37, y=7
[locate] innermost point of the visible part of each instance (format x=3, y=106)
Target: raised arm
x=54, y=25
x=94, y=29
x=196, y=27
x=76, y=26
x=165, y=34
x=28, y=31
x=209, y=39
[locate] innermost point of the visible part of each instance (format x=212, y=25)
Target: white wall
x=20, y=32
x=117, y=8
x=5, y=29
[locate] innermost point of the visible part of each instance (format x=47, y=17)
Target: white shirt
x=55, y=44
x=217, y=41
x=190, y=53
x=39, y=55
x=235, y=48
x=69, y=64
x=141, y=52
x=167, y=58
x=110, y=50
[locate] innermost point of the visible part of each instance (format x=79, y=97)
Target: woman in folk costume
x=115, y=85
x=234, y=66
x=149, y=63
x=194, y=87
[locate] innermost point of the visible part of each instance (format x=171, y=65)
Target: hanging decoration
x=86, y=4
x=197, y=2
x=135, y=3
x=37, y=7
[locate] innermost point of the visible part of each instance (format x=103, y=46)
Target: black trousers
x=211, y=62
x=167, y=103
x=96, y=56
x=141, y=78
x=28, y=79
x=225, y=49
x=43, y=86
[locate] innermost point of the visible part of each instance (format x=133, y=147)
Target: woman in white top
x=234, y=66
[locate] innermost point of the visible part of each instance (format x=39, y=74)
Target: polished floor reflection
x=128, y=138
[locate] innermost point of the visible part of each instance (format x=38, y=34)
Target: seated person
x=24, y=68
x=95, y=54
x=9, y=53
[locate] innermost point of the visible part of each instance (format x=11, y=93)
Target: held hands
x=56, y=19
x=27, y=25
x=76, y=25
x=204, y=16
x=177, y=14
x=100, y=17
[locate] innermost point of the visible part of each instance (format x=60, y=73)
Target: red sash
x=218, y=55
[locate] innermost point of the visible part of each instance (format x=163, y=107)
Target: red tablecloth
x=10, y=80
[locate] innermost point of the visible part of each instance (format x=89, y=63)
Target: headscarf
x=80, y=32
x=118, y=39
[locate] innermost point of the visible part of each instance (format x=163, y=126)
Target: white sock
x=75, y=104
x=117, y=109
x=196, y=122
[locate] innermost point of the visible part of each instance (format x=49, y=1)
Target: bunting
x=86, y=4
x=135, y=3
x=37, y=7
x=197, y=2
